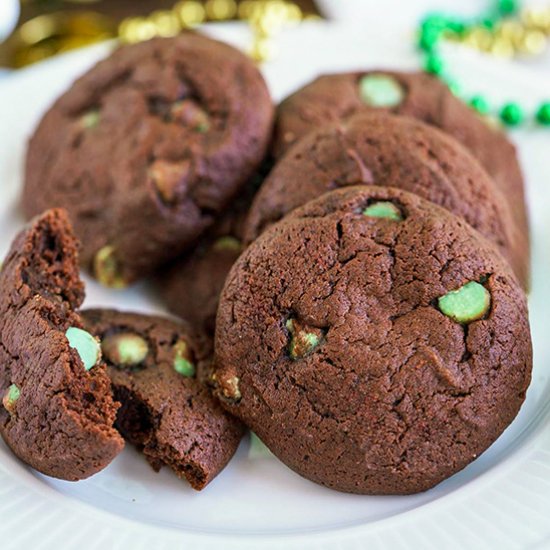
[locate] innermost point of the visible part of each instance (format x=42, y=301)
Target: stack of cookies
x=349, y=270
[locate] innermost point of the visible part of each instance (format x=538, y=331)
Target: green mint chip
x=466, y=304
x=182, y=359
x=86, y=345
x=380, y=90
x=383, y=209
x=125, y=349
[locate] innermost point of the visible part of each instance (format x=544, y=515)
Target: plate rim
x=527, y=449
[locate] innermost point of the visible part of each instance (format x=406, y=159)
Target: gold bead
x=136, y=29
x=257, y=13
x=245, y=8
x=514, y=32
x=277, y=10
x=533, y=43
x=190, y=12
x=220, y=10
x=273, y=19
x=263, y=50
x=502, y=47
x=511, y=30
x=166, y=22
x=294, y=13
x=479, y=38
x=253, y=9
x=536, y=18
x=312, y=17
x=266, y=26
x=267, y=17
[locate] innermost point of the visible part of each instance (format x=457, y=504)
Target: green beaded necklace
x=435, y=27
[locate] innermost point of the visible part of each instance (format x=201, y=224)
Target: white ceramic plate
x=503, y=499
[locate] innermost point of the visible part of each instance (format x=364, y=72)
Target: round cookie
x=332, y=97
x=376, y=343
x=147, y=148
x=191, y=286
x=155, y=369
x=57, y=410
x=389, y=150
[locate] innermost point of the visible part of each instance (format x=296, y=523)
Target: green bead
x=434, y=21
x=428, y=39
x=480, y=104
x=380, y=90
x=182, y=360
x=458, y=27
x=383, y=209
x=434, y=65
x=511, y=114
x=466, y=304
x=507, y=7
x=488, y=23
x=85, y=344
x=125, y=349
x=543, y=114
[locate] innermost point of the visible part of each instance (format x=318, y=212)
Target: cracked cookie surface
x=332, y=97
x=155, y=366
x=389, y=150
x=147, y=149
x=337, y=341
x=58, y=411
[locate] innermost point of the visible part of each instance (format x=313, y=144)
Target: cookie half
x=57, y=410
x=155, y=370
x=148, y=148
x=331, y=98
x=389, y=150
x=376, y=343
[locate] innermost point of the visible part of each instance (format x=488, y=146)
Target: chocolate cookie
x=154, y=366
x=57, y=411
x=333, y=97
x=384, y=149
x=192, y=285
x=147, y=149
x=375, y=342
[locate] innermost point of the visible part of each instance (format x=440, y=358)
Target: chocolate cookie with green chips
x=191, y=286
x=385, y=149
x=155, y=366
x=57, y=411
x=375, y=342
x=334, y=97
x=147, y=149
